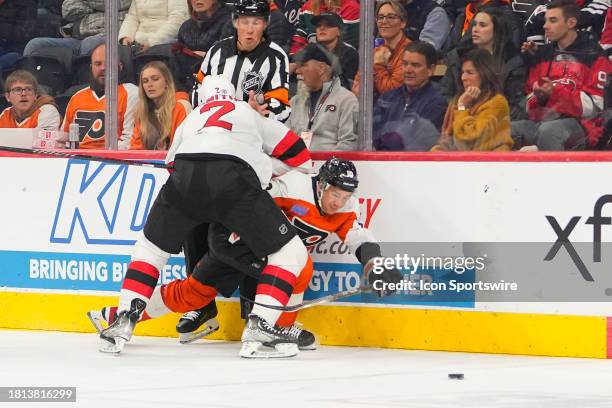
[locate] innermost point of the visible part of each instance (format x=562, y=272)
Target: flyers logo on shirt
x=91, y=124
x=309, y=234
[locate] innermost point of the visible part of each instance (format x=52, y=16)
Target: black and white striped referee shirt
x=263, y=70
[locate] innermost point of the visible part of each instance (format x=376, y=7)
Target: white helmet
x=213, y=85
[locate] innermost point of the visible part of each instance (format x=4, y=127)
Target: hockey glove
x=379, y=280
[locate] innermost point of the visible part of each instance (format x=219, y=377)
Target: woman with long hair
x=491, y=32
x=160, y=109
x=478, y=118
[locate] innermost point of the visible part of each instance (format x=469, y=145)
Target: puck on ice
x=455, y=376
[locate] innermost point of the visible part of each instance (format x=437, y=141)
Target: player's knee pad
x=291, y=257
x=187, y=294
x=148, y=252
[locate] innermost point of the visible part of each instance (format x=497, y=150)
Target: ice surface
x=160, y=372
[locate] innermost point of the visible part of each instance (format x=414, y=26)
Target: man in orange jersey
x=28, y=110
x=87, y=107
x=316, y=207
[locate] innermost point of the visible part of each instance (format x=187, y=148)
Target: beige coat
x=154, y=21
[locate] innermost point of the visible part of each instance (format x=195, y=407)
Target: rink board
x=450, y=330
x=76, y=211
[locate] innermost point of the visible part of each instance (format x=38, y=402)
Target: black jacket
x=201, y=33
x=517, y=31
x=349, y=62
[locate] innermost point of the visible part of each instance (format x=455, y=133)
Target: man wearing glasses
x=28, y=110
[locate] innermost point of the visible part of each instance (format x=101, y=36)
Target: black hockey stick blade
x=59, y=153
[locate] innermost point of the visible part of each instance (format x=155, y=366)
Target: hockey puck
x=455, y=376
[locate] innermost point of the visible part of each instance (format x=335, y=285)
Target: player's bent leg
x=275, y=287
x=306, y=339
x=138, y=286
x=190, y=295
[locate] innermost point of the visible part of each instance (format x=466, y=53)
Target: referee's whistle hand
x=262, y=109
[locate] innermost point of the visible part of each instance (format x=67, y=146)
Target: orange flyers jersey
x=88, y=111
x=295, y=192
x=45, y=118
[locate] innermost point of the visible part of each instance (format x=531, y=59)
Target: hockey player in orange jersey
x=316, y=206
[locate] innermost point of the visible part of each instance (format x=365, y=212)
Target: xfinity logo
x=563, y=236
x=102, y=203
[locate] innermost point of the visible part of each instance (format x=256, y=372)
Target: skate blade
x=209, y=327
x=110, y=347
x=254, y=349
x=310, y=347
x=95, y=317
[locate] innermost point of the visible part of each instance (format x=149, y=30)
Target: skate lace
x=193, y=315
x=293, y=331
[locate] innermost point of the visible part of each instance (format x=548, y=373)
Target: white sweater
x=154, y=21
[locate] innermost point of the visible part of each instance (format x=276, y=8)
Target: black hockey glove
x=379, y=281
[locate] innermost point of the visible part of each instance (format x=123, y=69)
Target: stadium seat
x=50, y=66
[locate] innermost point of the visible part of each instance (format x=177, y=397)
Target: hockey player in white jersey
x=316, y=206
x=221, y=158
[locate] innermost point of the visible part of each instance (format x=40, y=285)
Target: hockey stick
x=315, y=302
x=57, y=153
x=255, y=273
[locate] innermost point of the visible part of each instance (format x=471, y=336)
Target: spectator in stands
x=210, y=21
x=48, y=18
x=478, y=118
x=17, y=25
x=532, y=12
x=256, y=66
x=322, y=110
x=462, y=29
x=491, y=33
x=280, y=30
x=348, y=10
x=391, y=22
x=85, y=28
x=160, y=109
x=565, y=85
x=87, y=107
x=328, y=30
x=28, y=109
x=427, y=21
x=409, y=117
x=291, y=10
x=606, y=35
x=152, y=22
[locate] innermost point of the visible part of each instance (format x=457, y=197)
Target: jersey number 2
x=215, y=118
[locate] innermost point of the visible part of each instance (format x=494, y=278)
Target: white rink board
x=73, y=207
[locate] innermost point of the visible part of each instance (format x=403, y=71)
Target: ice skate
x=306, y=340
x=96, y=318
x=114, y=337
x=261, y=340
x=198, y=323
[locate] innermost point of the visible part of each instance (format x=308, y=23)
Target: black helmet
x=259, y=8
x=339, y=173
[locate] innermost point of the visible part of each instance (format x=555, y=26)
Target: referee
x=256, y=66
